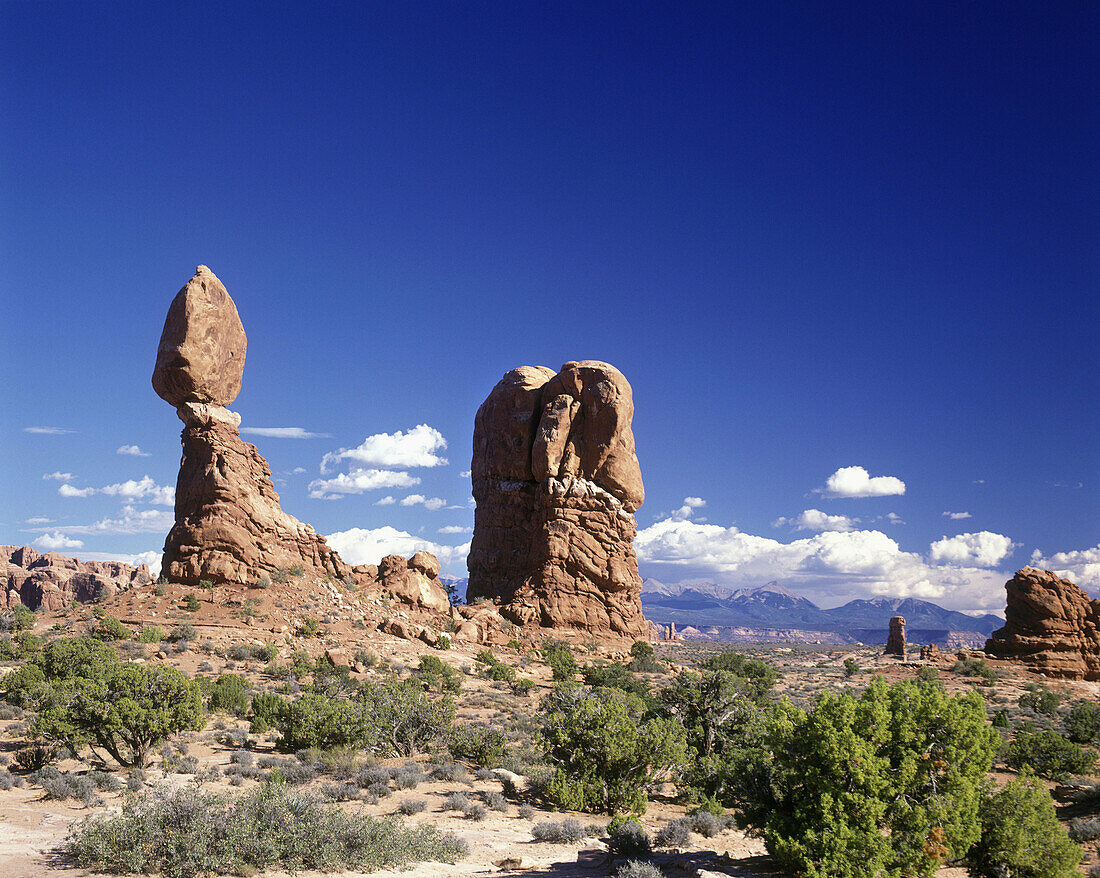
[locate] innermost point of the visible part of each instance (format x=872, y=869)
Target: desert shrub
x=643, y=658
x=887, y=783
x=408, y=807
x=755, y=677
x=851, y=667
x=674, y=834
x=494, y=668
x=706, y=824
x=1083, y=722
x=267, y=707
x=456, y=802
x=1049, y=755
x=451, y=771
x=230, y=693
x=191, y=603
x=1021, y=836
x=560, y=658
x=567, y=831
x=627, y=838
x=724, y=726
x=475, y=811
x=1000, y=720
x=1084, y=828
x=187, y=833
x=83, y=696
x=496, y=801
x=526, y=811
x=638, y=869
x=310, y=627
x=151, y=634
x=479, y=744
x=522, y=686
x=408, y=777
x=604, y=753
x=975, y=667
x=70, y=786
x=185, y=631
x=928, y=674
x=437, y=674
x=35, y=755
x=22, y=618
x=22, y=646
x=616, y=675
x=109, y=628
x=1041, y=701
x=340, y=792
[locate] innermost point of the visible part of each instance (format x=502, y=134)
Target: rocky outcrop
x=557, y=481
x=414, y=581
x=930, y=653
x=895, y=641
x=229, y=528
x=1050, y=625
x=51, y=581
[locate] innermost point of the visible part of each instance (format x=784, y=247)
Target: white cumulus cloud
x=388, y=500
x=455, y=529
x=416, y=447
x=831, y=566
x=957, y=516
x=432, y=504
x=1080, y=566
x=855, y=481
x=60, y=476
x=132, y=450
x=130, y=521
x=39, y=520
x=359, y=480
x=142, y=489
x=982, y=549
x=53, y=542
x=152, y=558
x=816, y=520
x=68, y=490
x=370, y=545
x=284, y=433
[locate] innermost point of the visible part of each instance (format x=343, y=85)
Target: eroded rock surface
x=895, y=641
x=202, y=348
x=557, y=481
x=1050, y=625
x=51, y=581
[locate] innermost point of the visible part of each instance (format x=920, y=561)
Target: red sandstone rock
x=556, y=481
x=51, y=581
x=895, y=642
x=202, y=348
x=1050, y=625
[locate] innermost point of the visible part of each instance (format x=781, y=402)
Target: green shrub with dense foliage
x=886, y=784
x=604, y=749
x=1083, y=722
x=393, y=718
x=187, y=833
x=230, y=693
x=437, y=674
x=82, y=696
x=1021, y=836
x=1049, y=755
x=480, y=744
x=108, y=628
x=558, y=655
x=1041, y=701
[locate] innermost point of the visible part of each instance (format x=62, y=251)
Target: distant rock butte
x=51, y=581
x=557, y=481
x=895, y=641
x=1050, y=625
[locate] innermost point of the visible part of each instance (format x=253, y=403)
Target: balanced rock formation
x=414, y=581
x=895, y=641
x=1050, y=625
x=229, y=528
x=556, y=482
x=51, y=581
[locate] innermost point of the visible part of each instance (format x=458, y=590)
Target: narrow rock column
x=895, y=643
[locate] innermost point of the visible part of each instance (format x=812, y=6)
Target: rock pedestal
x=1050, y=625
x=556, y=482
x=895, y=642
x=229, y=528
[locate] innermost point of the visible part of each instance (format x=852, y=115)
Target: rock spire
x=557, y=481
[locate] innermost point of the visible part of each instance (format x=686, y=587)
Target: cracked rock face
x=51, y=581
x=1051, y=625
x=557, y=481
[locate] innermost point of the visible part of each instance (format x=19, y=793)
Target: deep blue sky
x=812, y=236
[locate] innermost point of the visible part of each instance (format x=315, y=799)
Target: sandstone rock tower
x=229, y=526
x=556, y=482
x=1051, y=625
x=895, y=642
